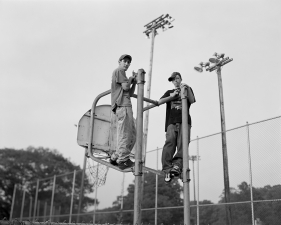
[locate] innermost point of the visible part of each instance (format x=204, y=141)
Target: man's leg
x=169, y=149
x=177, y=160
x=123, y=134
x=132, y=129
x=113, y=139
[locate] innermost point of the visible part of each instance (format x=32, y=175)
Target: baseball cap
x=174, y=74
x=125, y=56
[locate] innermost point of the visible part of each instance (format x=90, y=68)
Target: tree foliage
x=209, y=213
x=24, y=167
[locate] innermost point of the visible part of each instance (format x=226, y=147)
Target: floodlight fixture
x=164, y=21
x=199, y=68
x=206, y=65
x=170, y=25
x=216, y=57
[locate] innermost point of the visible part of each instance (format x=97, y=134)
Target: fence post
x=52, y=201
x=54, y=212
x=22, y=204
x=59, y=213
x=197, y=181
x=72, y=196
x=156, y=187
x=30, y=207
x=96, y=193
x=38, y=208
x=83, y=180
x=250, y=174
x=45, y=211
x=35, y=201
x=13, y=202
x=122, y=199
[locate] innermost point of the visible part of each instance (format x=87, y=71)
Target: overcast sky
x=57, y=56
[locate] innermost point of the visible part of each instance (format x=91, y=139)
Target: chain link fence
x=254, y=165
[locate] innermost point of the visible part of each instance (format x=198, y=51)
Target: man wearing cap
x=121, y=90
x=171, y=162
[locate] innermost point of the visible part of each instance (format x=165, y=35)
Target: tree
x=24, y=167
x=268, y=212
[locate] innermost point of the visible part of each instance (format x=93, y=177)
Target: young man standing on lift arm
x=172, y=163
x=122, y=89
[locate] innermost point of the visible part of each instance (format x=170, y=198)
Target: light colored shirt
x=119, y=97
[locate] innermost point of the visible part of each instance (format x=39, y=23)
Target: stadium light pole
x=163, y=22
x=215, y=63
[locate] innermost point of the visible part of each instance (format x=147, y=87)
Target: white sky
x=57, y=56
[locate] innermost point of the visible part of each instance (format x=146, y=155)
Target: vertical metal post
x=96, y=194
x=52, y=200
x=59, y=213
x=30, y=208
x=35, y=201
x=122, y=199
x=146, y=120
x=13, y=202
x=156, y=188
x=82, y=185
x=54, y=212
x=250, y=174
x=224, y=151
x=186, y=170
x=72, y=196
x=38, y=208
x=148, y=91
x=198, y=218
x=122, y=191
x=45, y=211
x=138, y=155
x=194, y=191
x=22, y=204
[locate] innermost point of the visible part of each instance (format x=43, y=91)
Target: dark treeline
x=23, y=167
x=170, y=195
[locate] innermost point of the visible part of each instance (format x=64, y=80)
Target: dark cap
x=125, y=56
x=173, y=76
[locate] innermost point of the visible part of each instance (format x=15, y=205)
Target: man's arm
x=191, y=97
x=134, y=82
x=163, y=100
x=126, y=85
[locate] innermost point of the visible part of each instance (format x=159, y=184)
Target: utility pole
x=163, y=22
x=217, y=61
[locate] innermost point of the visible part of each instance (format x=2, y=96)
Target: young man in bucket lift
x=172, y=163
x=122, y=89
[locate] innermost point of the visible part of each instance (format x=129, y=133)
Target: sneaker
x=126, y=164
x=113, y=162
x=113, y=159
x=175, y=171
x=167, y=178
